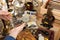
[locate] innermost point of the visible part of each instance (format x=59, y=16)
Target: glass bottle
x=46, y=38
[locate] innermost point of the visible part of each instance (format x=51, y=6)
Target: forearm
x=14, y=32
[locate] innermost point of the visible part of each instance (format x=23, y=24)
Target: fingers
x=9, y=17
x=19, y=28
x=5, y=15
x=1, y=17
x=15, y=31
x=23, y=25
x=3, y=12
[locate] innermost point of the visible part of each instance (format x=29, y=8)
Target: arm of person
x=9, y=38
x=14, y=32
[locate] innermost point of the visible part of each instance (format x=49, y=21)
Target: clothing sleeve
x=9, y=38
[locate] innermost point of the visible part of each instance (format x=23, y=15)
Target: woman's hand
x=14, y=32
x=5, y=15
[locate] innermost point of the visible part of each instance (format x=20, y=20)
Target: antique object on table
x=25, y=35
x=45, y=34
x=5, y=29
x=11, y=10
x=19, y=7
x=1, y=28
x=32, y=26
x=29, y=14
x=25, y=18
x=16, y=9
x=14, y=21
x=9, y=3
x=29, y=17
x=30, y=11
x=48, y=19
x=29, y=6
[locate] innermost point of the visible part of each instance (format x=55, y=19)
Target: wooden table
x=56, y=28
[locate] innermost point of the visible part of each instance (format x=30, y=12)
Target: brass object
x=45, y=38
x=25, y=35
x=5, y=29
